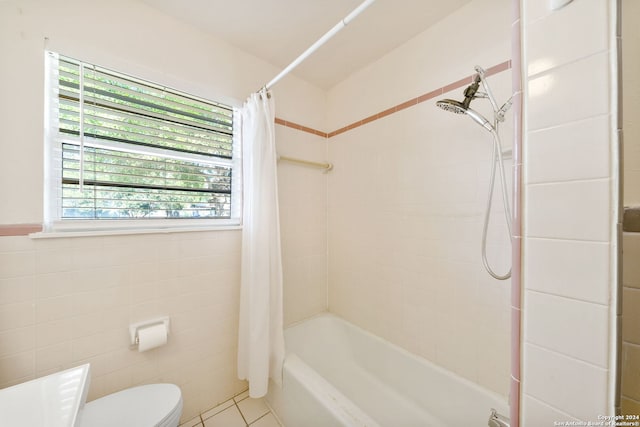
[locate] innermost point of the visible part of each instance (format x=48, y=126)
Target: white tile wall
x=303, y=224
x=568, y=326
x=406, y=200
x=60, y=314
x=537, y=413
x=534, y=10
x=558, y=267
x=569, y=212
x=561, y=382
x=588, y=33
x=549, y=149
x=578, y=210
x=560, y=95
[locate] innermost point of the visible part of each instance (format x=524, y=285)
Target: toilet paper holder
x=134, y=327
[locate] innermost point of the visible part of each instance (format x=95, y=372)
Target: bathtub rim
x=432, y=365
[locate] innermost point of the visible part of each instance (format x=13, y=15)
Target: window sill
x=125, y=231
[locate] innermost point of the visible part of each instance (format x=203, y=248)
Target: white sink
x=51, y=401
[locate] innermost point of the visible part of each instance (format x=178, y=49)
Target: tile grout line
x=272, y=412
x=260, y=417
x=233, y=399
x=585, y=301
x=631, y=344
x=565, y=356
x=241, y=414
x=631, y=398
x=531, y=396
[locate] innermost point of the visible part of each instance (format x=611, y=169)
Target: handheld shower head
x=458, y=107
x=452, y=106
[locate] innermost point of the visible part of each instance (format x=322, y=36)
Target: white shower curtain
x=261, y=339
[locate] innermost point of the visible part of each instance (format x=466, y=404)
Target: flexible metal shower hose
x=496, y=158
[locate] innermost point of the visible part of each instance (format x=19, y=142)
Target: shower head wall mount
x=470, y=93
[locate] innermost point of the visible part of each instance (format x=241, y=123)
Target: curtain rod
x=322, y=40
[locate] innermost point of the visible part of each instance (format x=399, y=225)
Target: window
x=121, y=148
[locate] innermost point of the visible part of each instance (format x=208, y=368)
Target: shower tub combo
x=338, y=375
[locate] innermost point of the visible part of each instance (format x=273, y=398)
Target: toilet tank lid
x=147, y=405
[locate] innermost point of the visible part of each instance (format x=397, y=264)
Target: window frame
x=54, y=139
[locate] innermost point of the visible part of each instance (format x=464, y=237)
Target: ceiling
x=277, y=31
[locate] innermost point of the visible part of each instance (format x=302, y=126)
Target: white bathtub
x=336, y=374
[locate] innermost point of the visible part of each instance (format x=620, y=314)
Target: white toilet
x=153, y=405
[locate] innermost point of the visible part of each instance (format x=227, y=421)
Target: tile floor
x=241, y=411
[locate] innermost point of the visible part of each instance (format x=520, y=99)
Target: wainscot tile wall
x=68, y=301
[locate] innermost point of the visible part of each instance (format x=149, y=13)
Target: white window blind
x=129, y=149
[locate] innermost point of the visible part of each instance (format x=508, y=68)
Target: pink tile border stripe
x=516, y=251
x=296, y=126
x=7, y=230
x=503, y=66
